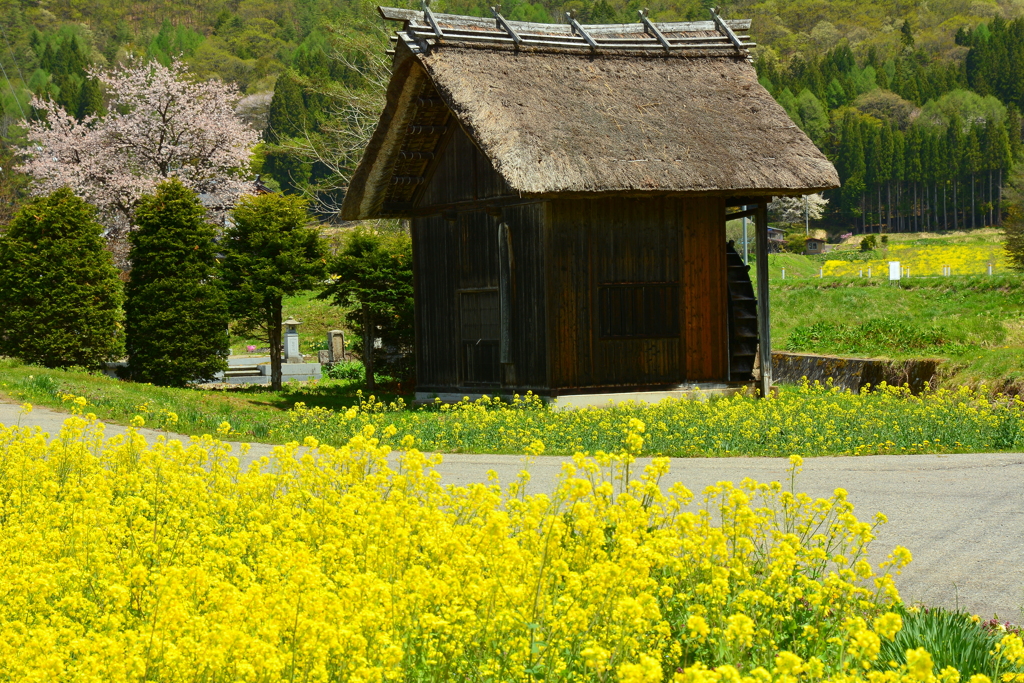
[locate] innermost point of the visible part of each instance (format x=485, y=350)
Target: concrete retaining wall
x=853, y=373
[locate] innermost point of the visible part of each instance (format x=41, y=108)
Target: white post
x=746, y=260
x=990, y=269
x=783, y=273
x=869, y=271
x=821, y=272
x=860, y=273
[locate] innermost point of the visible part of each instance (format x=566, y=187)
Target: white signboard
x=894, y=270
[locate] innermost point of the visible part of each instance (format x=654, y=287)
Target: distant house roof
x=558, y=115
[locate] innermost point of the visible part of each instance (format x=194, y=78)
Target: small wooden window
x=480, y=312
x=638, y=311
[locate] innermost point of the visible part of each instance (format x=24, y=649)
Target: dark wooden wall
x=637, y=292
x=461, y=173
x=616, y=293
x=456, y=268
x=457, y=273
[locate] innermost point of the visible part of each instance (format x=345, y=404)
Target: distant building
x=816, y=245
x=776, y=240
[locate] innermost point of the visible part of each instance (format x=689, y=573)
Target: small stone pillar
x=336, y=346
x=291, y=341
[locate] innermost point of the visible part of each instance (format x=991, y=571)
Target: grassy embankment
x=973, y=320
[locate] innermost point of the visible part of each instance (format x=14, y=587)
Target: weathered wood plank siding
x=705, y=291
x=456, y=267
x=636, y=292
x=461, y=173
x=527, y=298
x=435, y=249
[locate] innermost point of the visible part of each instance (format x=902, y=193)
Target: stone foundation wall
x=853, y=373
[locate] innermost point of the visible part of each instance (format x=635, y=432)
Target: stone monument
x=336, y=346
x=291, y=341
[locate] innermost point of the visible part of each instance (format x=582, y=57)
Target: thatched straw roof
x=564, y=118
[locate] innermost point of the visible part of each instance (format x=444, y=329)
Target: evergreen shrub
x=60, y=294
x=176, y=312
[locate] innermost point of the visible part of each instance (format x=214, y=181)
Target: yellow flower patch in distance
x=127, y=560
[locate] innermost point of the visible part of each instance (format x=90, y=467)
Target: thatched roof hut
x=487, y=117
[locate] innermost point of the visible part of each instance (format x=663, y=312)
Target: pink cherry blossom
x=161, y=123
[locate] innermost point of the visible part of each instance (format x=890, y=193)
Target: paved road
x=962, y=516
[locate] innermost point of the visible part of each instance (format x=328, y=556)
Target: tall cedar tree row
x=270, y=252
x=60, y=295
x=372, y=277
x=176, y=315
x=903, y=170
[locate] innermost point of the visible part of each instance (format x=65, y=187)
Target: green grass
x=975, y=322
x=953, y=639
x=253, y=411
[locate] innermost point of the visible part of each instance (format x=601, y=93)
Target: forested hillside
x=917, y=103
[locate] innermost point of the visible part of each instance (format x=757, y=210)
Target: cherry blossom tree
x=796, y=209
x=162, y=123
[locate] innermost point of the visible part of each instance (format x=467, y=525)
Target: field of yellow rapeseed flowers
x=128, y=560
x=925, y=261
x=809, y=420
x=123, y=560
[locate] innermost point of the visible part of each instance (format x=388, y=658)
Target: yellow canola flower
x=123, y=559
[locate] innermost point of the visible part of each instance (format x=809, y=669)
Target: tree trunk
x=274, y=338
x=974, y=210
x=999, y=201
x=368, y=345
x=945, y=211
x=888, y=206
x=915, y=213
x=879, y=207
x=955, y=223
x=991, y=202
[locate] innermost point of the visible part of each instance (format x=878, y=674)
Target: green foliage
x=13, y=184
x=60, y=295
x=270, y=252
x=1014, y=225
x=953, y=639
x=868, y=243
x=350, y=370
x=175, y=312
x=373, y=275
x=879, y=336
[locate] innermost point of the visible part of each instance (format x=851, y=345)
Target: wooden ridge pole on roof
x=505, y=25
x=571, y=16
x=428, y=17
x=764, y=332
x=724, y=29
x=653, y=30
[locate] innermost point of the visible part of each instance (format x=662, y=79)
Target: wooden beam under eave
x=764, y=330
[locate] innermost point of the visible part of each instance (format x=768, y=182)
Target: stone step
x=242, y=371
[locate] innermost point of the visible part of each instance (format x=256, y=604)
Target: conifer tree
x=287, y=117
x=176, y=313
x=60, y=295
x=270, y=253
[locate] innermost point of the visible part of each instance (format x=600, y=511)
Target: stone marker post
x=336, y=346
